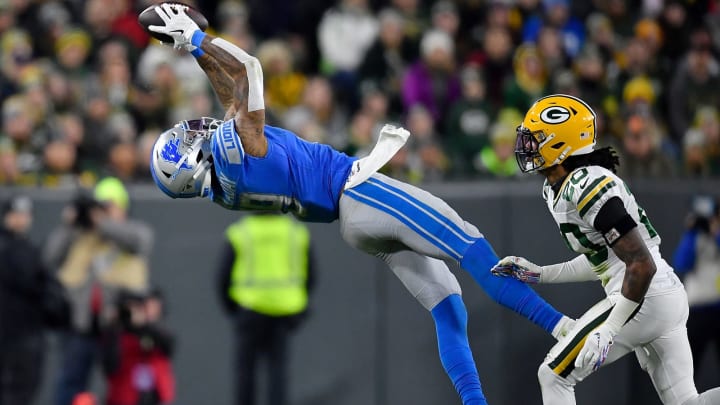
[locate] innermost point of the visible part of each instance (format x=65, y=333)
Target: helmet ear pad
x=181, y=162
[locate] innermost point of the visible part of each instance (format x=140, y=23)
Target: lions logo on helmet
x=181, y=160
x=554, y=128
x=170, y=153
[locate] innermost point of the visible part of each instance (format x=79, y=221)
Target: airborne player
x=243, y=164
x=646, y=306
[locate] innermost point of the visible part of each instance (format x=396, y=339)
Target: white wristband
x=256, y=99
x=621, y=313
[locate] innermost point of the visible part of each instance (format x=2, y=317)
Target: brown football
x=149, y=17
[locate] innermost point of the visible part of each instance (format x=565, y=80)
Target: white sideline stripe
x=462, y=237
x=430, y=235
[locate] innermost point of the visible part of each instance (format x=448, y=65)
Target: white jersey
x=574, y=208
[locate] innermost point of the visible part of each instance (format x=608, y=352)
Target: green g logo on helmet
x=555, y=115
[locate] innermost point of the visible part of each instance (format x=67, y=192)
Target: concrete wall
x=367, y=341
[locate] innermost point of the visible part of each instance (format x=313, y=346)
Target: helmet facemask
x=204, y=126
x=527, y=149
x=195, y=137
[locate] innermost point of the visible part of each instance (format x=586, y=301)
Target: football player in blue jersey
x=243, y=164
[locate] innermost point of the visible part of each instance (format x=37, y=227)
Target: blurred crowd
x=85, y=91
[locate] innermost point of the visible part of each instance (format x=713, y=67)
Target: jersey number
x=577, y=177
x=271, y=202
x=577, y=241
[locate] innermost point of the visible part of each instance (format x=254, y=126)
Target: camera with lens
x=130, y=308
x=83, y=206
x=704, y=209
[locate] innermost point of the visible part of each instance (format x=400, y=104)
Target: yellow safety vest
x=270, y=271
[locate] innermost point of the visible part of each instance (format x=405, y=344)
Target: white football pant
x=657, y=335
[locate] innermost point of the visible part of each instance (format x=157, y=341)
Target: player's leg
x=384, y=209
x=656, y=316
x=557, y=374
x=668, y=358
x=436, y=288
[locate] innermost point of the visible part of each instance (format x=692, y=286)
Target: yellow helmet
x=555, y=127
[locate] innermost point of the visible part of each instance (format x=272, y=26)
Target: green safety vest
x=270, y=271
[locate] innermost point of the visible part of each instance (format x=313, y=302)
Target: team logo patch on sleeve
x=611, y=236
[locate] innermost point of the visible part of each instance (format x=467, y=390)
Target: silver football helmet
x=181, y=160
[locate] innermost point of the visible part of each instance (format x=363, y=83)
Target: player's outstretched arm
x=519, y=268
x=221, y=82
x=246, y=103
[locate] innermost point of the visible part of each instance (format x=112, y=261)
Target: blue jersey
x=294, y=176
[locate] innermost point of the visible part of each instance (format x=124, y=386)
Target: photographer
x=136, y=352
x=97, y=252
x=698, y=258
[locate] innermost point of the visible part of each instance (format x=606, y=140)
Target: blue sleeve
x=228, y=155
x=684, y=257
x=226, y=146
x=450, y=317
x=513, y=294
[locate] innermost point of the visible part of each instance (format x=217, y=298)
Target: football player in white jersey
x=646, y=306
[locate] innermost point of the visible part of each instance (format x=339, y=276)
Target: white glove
x=518, y=268
x=178, y=25
x=596, y=348
x=391, y=130
x=563, y=327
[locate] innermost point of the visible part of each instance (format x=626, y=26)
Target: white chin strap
x=196, y=144
x=561, y=156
